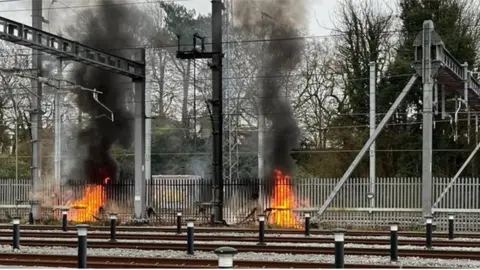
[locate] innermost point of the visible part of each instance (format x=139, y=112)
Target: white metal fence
x=396, y=199
x=393, y=193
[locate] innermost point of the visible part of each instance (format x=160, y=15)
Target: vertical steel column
x=36, y=110
x=139, y=138
x=435, y=98
x=148, y=142
x=427, y=128
x=261, y=134
x=466, y=80
x=372, y=131
x=58, y=131
x=444, y=113
x=217, y=114
x=261, y=142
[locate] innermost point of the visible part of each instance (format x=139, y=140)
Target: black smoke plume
x=107, y=28
x=278, y=21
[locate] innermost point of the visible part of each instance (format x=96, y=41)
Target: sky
x=319, y=17
x=58, y=13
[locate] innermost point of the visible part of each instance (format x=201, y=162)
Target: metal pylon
x=230, y=141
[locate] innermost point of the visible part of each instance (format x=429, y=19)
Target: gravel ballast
x=250, y=256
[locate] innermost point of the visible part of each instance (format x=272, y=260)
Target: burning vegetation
x=283, y=202
x=90, y=205
x=283, y=19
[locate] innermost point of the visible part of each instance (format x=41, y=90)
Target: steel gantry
x=65, y=49
x=438, y=69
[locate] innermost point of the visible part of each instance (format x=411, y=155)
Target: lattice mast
x=230, y=141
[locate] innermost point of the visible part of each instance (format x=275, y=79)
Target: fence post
x=261, y=230
x=225, y=256
x=179, y=222
x=64, y=219
x=82, y=230
x=113, y=227
x=394, y=241
x=16, y=232
x=31, y=221
x=30, y=216
x=451, y=226
x=339, y=248
x=429, y=231
x=190, y=236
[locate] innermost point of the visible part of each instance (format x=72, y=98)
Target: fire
x=283, y=202
x=84, y=209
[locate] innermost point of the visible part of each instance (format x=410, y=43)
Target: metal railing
x=395, y=198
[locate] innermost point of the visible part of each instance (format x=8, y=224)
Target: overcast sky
x=59, y=12
x=320, y=13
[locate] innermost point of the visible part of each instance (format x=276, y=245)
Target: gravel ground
x=222, y=243
x=251, y=256
x=256, y=235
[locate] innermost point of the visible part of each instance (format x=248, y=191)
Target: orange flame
x=84, y=209
x=283, y=202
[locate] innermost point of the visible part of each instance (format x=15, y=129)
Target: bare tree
x=316, y=102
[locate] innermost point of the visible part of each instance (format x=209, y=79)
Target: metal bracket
x=459, y=102
x=195, y=53
x=95, y=97
x=476, y=128
x=459, y=107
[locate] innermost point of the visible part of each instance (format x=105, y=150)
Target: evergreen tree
x=449, y=17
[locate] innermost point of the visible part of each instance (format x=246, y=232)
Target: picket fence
x=396, y=199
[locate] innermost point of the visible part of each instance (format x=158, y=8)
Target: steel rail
x=240, y=238
x=243, y=230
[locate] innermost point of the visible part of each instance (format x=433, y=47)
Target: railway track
x=239, y=238
x=245, y=230
x=290, y=249
x=12, y=259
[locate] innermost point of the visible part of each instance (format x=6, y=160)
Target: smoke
x=108, y=26
x=280, y=20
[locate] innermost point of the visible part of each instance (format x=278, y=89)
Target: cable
x=93, y=5
x=252, y=129
x=249, y=41
x=318, y=151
